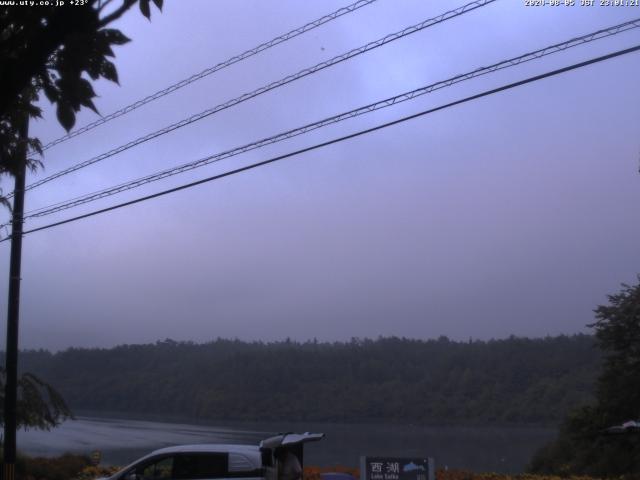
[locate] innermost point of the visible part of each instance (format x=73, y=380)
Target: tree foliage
x=508, y=381
x=583, y=445
x=618, y=332
x=39, y=404
x=55, y=51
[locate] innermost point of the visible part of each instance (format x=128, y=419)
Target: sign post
x=396, y=468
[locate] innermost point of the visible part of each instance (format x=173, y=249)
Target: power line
x=340, y=139
x=599, y=34
x=208, y=71
x=283, y=81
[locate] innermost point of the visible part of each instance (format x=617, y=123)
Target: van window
x=239, y=463
x=205, y=465
x=266, y=456
x=160, y=469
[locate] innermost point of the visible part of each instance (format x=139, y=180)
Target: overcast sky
x=514, y=214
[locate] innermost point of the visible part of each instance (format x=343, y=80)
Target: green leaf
x=158, y=4
x=84, y=89
x=144, y=8
x=94, y=66
x=108, y=71
x=35, y=145
x=66, y=115
x=115, y=37
x=34, y=111
x=87, y=102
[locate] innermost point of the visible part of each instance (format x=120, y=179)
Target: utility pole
x=13, y=310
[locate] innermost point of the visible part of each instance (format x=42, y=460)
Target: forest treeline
x=511, y=381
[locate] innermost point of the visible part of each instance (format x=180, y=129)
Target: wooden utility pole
x=13, y=310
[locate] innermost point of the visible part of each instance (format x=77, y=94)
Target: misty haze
x=412, y=226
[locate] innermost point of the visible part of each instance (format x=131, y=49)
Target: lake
x=499, y=449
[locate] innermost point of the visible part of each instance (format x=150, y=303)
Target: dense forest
x=511, y=381
x=602, y=439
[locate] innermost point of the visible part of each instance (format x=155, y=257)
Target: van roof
x=210, y=448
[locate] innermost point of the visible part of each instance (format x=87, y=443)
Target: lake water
x=121, y=441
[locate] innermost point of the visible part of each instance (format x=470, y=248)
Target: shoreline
x=214, y=422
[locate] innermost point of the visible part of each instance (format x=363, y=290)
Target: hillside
x=511, y=381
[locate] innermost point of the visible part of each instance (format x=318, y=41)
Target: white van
x=220, y=461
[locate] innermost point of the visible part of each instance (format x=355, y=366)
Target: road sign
x=396, y=468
